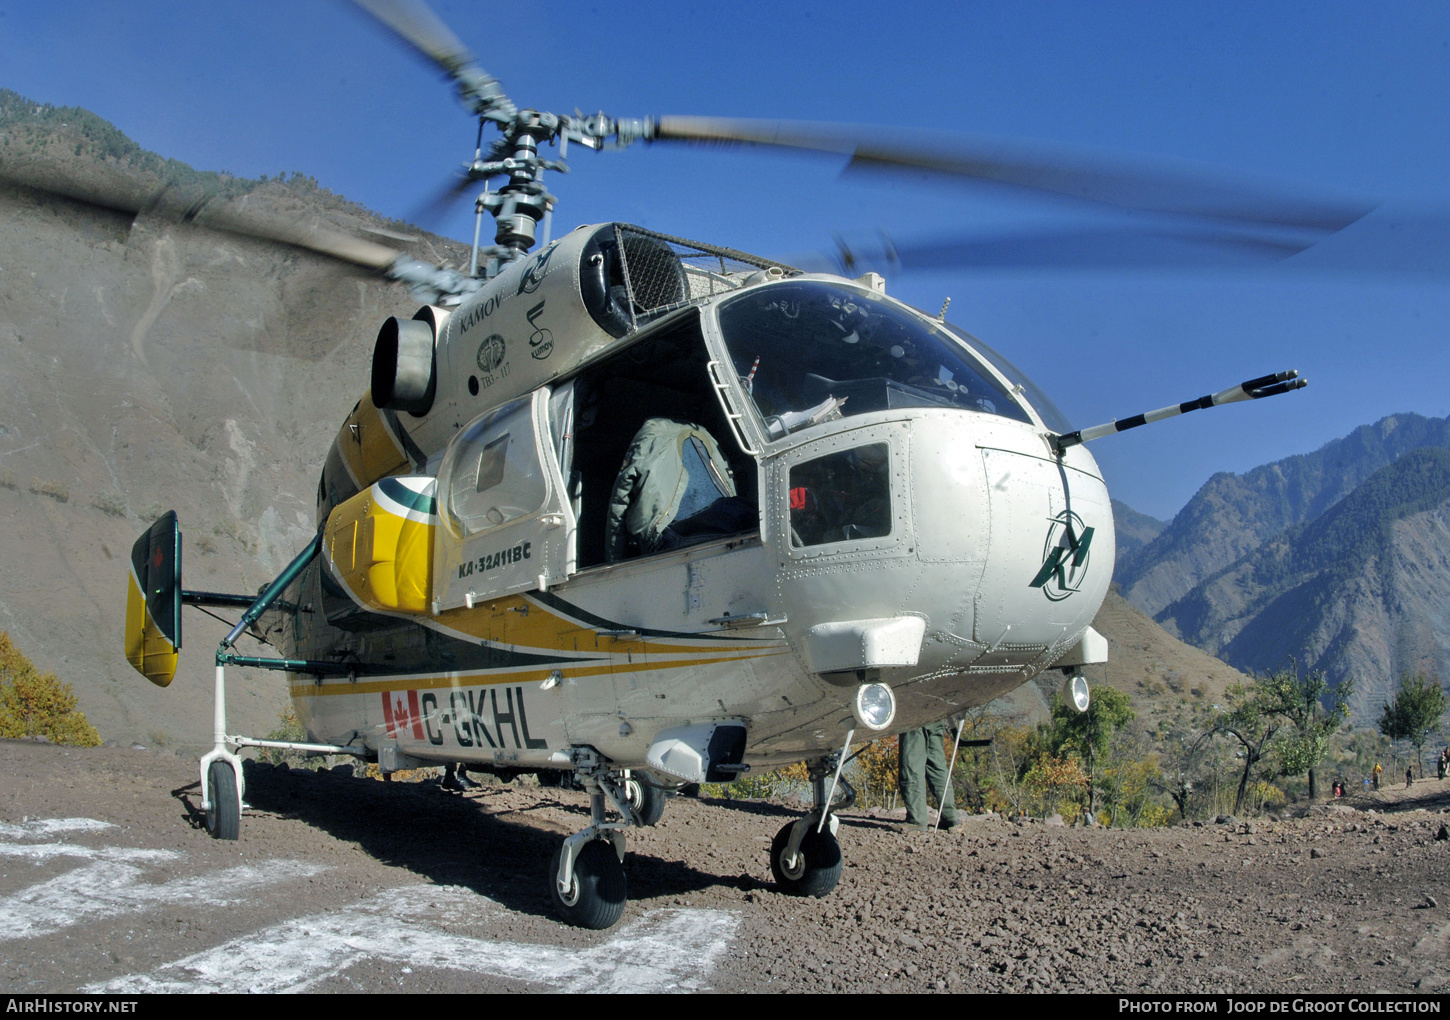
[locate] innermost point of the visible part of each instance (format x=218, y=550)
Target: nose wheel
x=805, y=857
x=647, y=799
x=814, y=867
x=224, y=805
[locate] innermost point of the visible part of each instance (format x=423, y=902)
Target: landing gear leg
x=804, y=856
x=222, y=785
x=587, y=879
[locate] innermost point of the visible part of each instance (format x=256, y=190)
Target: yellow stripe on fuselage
x=526, y=624
x=444, y=681
x=384, y=561
x=518, y=623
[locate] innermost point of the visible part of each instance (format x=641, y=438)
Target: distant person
x=1409, y=776
x=1378, y=771
x=922, y=762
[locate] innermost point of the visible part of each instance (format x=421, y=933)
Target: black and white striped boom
x=1264, y=386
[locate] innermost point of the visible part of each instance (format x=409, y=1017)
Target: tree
x=1253, y=723
x=36, y=704
x=1301, y=701
x=1184, y=762
x=1090, y=733
x=1414, y=713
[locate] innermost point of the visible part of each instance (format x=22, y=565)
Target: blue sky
x=1350, y=98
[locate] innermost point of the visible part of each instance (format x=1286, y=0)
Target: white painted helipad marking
x=41, y=851
x=51, y=826
x=107, y=888
x=113, y=884
x=666, y=950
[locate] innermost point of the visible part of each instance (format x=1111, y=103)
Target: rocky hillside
x=147, y=365
x=1362, y=591
x=1233, y=514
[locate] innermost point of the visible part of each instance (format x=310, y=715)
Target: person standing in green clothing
x=922, y=763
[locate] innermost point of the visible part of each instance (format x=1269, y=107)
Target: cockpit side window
x=811, y=351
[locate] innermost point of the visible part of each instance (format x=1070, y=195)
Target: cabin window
x=492, y=472
x=809, y=352
x=841, y=497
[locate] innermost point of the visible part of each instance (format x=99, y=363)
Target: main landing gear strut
x=587, y=879
x=804, y=856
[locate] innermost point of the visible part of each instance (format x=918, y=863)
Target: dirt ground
x=108, y=881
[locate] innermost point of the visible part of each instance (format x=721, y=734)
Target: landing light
x=874, y=706
x=1075, y=692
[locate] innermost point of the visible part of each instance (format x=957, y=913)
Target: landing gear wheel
x=224, y=820
x=816, y=869
x=596, y=898
x=647, y=799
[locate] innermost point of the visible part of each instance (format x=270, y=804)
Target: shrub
x=50, y=487
x=109, y=503
x=290, y=730
x=36, y=704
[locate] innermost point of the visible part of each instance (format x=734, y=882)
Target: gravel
x=1340, y=898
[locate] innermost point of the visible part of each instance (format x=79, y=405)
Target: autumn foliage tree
x=36, y=704
x=1089, y=734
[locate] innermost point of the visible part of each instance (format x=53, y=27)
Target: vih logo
x=1064, y=557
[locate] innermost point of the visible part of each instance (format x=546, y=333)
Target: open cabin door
x=505, y=521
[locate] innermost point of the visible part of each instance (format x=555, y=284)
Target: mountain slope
x=1363, y=591
x=1232, y=514
x=1134, y=529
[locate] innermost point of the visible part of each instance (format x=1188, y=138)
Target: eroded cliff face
x=147, y=366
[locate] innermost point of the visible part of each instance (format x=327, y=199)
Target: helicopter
x=650, y=512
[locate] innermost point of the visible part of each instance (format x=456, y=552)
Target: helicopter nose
x=996, y=551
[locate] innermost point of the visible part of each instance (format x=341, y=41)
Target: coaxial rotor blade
x=1177, y=187
x=430, y=284
x=442, y=201
x=102, y=186
x=1086, y=248
x=137, y=194
x=415, y=23
x=1105, y=249
x=323, y=240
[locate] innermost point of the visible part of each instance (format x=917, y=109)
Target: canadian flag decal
x=400, y=713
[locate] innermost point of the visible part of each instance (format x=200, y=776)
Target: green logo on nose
x=1064, y=557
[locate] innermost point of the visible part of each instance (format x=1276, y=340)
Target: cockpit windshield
x=1049, y=412
x=810, y=351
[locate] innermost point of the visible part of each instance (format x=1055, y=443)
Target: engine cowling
x=536, y=321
